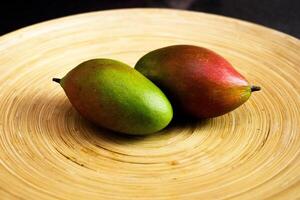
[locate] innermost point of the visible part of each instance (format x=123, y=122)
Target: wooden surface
x=47, y=151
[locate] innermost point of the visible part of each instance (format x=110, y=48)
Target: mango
x=199, y=82
x=115, y=96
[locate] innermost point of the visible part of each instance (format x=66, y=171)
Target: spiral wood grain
x=49, y=152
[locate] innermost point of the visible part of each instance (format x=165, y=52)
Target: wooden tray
x=47, y=151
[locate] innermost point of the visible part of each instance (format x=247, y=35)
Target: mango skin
x=198, y=82
x=117, y=97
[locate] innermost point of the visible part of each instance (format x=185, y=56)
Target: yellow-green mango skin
x=117, y=97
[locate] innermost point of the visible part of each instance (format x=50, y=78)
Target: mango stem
x=255, y=88
x=57, y=80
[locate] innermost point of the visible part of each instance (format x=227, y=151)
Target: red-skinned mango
x=198, y=82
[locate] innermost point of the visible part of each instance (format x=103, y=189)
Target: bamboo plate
x=49, y=152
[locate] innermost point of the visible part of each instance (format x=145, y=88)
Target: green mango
x=115, y=96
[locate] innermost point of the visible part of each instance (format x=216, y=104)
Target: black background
x=283, y=15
